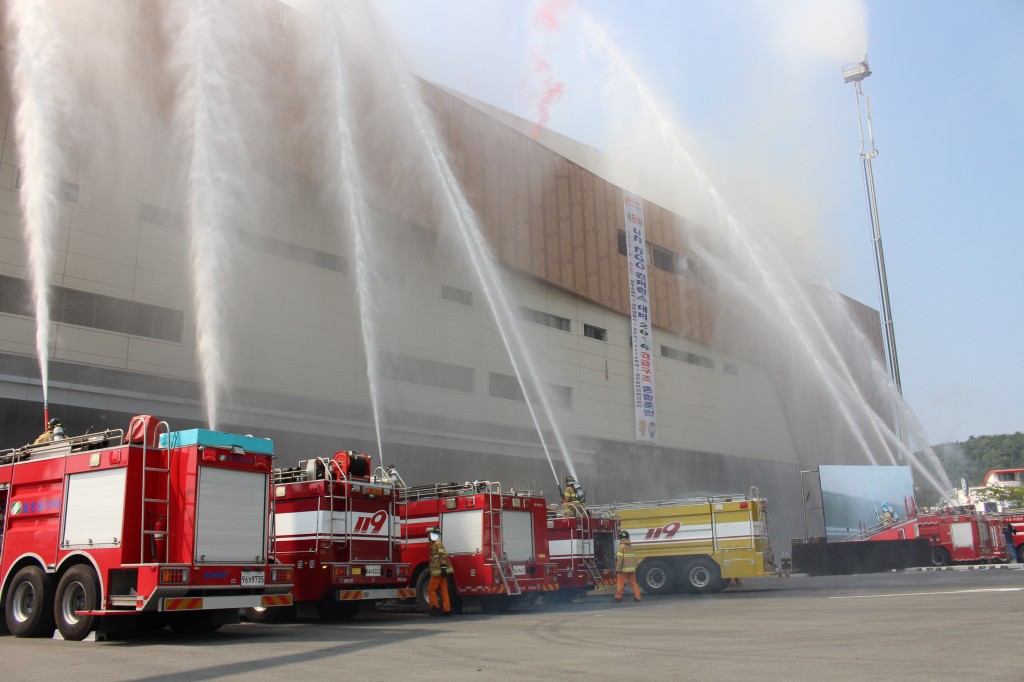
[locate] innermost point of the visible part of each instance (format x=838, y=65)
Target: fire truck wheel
x=334, y=610
x=422, y=580
x=656, y=577
x=78, y=590
x=29, y=609
x=275, y=614
x=940, y=556
x=701, y=576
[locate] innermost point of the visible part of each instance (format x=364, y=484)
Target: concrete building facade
x=124, y=336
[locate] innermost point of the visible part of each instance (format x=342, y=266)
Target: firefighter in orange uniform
x=625, y=567
x=440, y=568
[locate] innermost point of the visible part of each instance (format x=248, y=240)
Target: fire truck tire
x=78, y=590
x=940, y=556
x=333, y=610
x=656, y=577
x=701, y=576
x=422, y=580
x=275, y=614
x=29, y=610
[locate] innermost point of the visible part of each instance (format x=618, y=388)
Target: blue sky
x=757, y=85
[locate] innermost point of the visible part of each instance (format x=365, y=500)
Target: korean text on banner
x=640, y=317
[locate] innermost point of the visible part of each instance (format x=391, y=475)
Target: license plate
x=253, y=577
x=373, y=570
x=519, y=570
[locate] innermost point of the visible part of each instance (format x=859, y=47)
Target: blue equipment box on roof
x=218, y=439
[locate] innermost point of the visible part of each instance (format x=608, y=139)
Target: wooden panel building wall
x=551, y=218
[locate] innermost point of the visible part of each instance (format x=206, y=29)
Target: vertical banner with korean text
x=640, y=317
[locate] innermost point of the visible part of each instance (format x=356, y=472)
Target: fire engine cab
x=110, y=530
x=496, y=540
x=335, y=523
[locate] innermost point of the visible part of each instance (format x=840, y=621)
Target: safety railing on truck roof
x=63, y=447
x=752, y=495
x=452, y=489
x=568, y=511
x=315, y=469
x=962, y=510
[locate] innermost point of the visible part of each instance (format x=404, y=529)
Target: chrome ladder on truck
x=498, y=556
x=587, y=533
x=591, y=565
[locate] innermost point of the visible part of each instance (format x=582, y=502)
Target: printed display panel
x=855, y=498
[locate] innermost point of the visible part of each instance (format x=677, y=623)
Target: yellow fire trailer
x=697, y=544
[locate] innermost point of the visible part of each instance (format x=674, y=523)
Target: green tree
x=1008, y=497
x=973, y=458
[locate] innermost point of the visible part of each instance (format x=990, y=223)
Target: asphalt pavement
x=916, y=625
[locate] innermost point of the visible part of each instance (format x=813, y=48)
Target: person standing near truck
x=1008, y=537
x=440, y=568
x=625, y=568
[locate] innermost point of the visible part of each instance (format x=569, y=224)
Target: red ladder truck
x=336, y=524
x=109, y=531
x=497, y=541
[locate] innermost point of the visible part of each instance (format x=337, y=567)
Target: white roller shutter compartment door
x=231, y=516
x=94, y=509
x=463, y=531
x=517, y=530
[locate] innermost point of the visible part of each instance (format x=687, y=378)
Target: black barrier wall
x=847, y=558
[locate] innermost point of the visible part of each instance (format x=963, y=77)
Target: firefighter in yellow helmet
x=54, y=431
x=625, y=567
x=440, y=568
x=572, y=499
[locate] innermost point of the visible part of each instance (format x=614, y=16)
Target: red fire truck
x=962, y=536
x=958, y=535
x=582, y=546
x=108, y=531
x=497, y=541
x=336, y=524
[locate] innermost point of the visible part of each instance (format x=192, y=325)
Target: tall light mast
x=855, y=73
